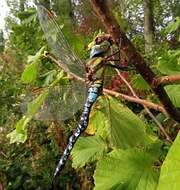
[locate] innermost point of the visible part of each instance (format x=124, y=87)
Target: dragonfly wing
x=62, y=102
x=58, y=43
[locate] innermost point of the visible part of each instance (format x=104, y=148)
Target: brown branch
x=166, y=80
x=135, y=58
x=137, y=100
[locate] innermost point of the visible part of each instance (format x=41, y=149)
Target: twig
x=4, y=154
x=145, y=107
x=166, y=80
x=137, y=100
x=64, y=68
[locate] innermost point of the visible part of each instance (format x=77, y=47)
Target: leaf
x=123, y=128
x=19, y=135
x=174, y=94
x=173, y=26
x=20, y=126
x=34, y=106
x=29, y=74
x=16, y=137
x=97, y=124
x=130, y=169
x=168, y=63
x=88, y=149
x=139, y=83
x=170, y=170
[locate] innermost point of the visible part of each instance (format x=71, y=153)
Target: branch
x=135, y=58
x=137, y=100
x=166, y=80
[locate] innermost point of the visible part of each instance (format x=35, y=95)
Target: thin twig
x=64, y=68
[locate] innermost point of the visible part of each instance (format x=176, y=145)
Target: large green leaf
x=30, y=72
x=130, y=169
x=88, y=149
x=123, y=128
x=170, y=171
x=174, y=94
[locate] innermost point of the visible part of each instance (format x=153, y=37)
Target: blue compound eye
x=95, y=51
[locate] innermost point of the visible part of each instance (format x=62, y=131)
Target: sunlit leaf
x=168, y=63
x=16, y=137
x=173, y=26
x=29, y=74
x=19, y=135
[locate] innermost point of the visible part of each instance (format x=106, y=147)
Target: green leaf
x=34, y=106
x=139, y=83
x=170, y=170
x=168, y=64
x=19, y=135
x=16, y=137
x=21, y=124
x=123, y=128
x=130, y=169
x=173, y=26
x=88, y=149
x=174, y=94
x=30, y=72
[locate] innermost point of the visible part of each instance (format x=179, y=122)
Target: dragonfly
x=93, y=72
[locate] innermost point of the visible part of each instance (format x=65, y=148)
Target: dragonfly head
x=102, y=45
x=99, y=49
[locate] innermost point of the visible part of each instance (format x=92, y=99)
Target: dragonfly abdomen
x=93, y=93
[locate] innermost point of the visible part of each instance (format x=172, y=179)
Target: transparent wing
x=62, y=102
x=57, y=42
